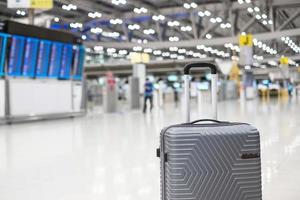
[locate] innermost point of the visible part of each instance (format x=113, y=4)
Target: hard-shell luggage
x=209, y=159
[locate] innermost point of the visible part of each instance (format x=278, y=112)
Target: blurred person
x=176, y=97
x=148, y=95
x=290, y=88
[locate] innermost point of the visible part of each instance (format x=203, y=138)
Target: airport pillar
x=249, y=90
x=31, y=16
x=139, y=71
x=134, y=95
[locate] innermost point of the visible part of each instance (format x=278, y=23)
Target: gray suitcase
x=209, y=159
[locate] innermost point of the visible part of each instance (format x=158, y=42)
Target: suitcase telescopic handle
x=214, y=87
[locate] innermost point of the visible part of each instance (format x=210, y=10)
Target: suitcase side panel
x=211, y=163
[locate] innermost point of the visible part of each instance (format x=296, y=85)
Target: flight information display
x=66, y=63
x=43, y=58
x=16, y=56
x=30, y=58
x=3, y=44
x=55, y=60
x=78, y=62
x=36, y=58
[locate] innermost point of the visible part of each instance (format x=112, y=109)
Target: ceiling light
x=194, y=5
x=174, y=39
x=248, y=1
x=247, y=67
x=83, y=37
x=189, y=53
x=240, y=1
x=165, y=54
x=219, y=19
x=157, y=52
x=123, y=52
x=96, y=30
x=69, y=7
x=264, y=16
x=207, y=13
x=98, y=48
x=116, y=21
x=173, y=56
x=213, y=20
x=158, y=17
x=201, y=14
x=228, y=25
x=111, y=50
x=186, y=28
x=94, y=15
x=111, y=34
x=148, y=50
x=256, y=9
x=173, y=48
x=265, y=22
x=250, y=10
x=208, y=36
x=270, y=22
x=149, y=31
x=137, y=48
x=21, y=12
x=140, y=10
x=199, y=47
x=76, y=25
x=118, y=2
x=258, y=16
x=173, y=23
x=181, y=51
x=56, y=19
x=186, y=6
x=134, y=27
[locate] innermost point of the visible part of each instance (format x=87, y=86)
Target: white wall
x=77, y=96
x=2, y=98
x=38, y=97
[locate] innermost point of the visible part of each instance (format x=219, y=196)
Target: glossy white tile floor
x=112, y=156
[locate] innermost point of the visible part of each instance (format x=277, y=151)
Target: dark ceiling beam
x=289, y=20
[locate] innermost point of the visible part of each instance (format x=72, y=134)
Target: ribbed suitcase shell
x=219, y=161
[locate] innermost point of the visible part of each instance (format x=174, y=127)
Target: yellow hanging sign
x=246, y=40
x=284, y=60
x=139, y=58
x=42, y=4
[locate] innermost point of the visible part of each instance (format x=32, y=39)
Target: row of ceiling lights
x=173, y=52
x=264, y=47
x=212, y=51
x=214, y=20
x=232, y=47
x=263, y=17
x=291, y=44
x=255, y=11
x=69, y=7
x=176, y=53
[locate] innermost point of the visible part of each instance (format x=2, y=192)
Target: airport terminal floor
x=112, y=156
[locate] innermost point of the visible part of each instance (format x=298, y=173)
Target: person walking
x=148, y=95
